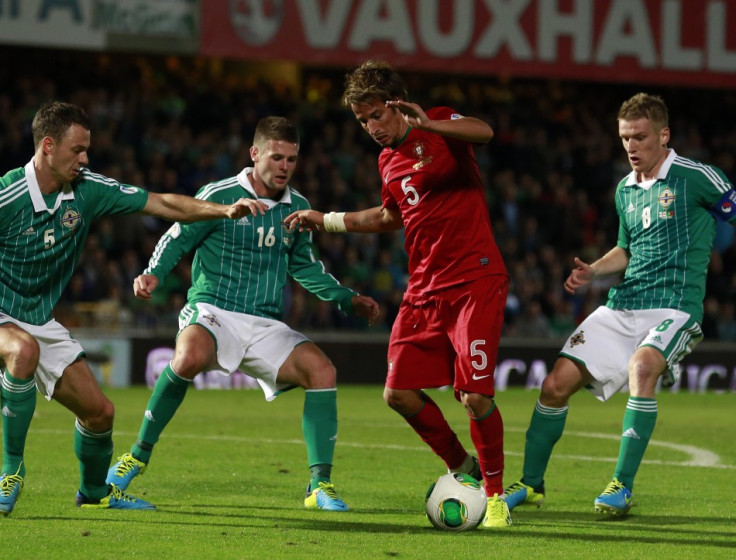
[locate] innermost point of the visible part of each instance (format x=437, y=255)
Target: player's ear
x=254, y=153
x=664, y=136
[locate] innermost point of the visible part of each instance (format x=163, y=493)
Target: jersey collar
x=245, y=183
x=662, y=174
x=39, y=203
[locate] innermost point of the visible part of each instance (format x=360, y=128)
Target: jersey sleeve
x=310, y=272
x=176, y=242
x=623, y=239
x=108, y=196
x=720, y=196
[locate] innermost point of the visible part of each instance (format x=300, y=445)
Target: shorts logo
x=576, y=339
x=211, y=320
x=479, y=377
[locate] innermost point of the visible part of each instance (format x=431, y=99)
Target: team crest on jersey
x=211, y=320
x=665, y=198
x=420, y=152
x=70, y=218
x=577, y=338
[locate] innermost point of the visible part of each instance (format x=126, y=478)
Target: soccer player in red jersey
x=449, y=324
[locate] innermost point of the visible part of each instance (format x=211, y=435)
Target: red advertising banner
x=638, y=41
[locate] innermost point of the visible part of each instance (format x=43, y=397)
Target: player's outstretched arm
x=144, y=285
x=372, y=220
x=468, y=129
x=181, y=208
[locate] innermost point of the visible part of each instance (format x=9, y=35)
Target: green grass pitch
x=229, y=474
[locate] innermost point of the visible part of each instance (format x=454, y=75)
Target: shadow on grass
x=568, y=526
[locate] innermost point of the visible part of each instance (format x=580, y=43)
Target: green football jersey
x=242, y=265
x=43, y=235
x=667, y=227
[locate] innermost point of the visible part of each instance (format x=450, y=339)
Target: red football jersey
x=435, y=184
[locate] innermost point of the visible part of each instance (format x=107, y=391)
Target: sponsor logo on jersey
x=577, y=338
x=420, y=152
x=29, y=231
x=70, y=218
x=630, y=209
x=666, y=197
x=244, y=221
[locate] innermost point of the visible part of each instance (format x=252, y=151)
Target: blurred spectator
x=550, y=171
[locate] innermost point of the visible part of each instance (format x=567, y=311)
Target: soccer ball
x=455, y=502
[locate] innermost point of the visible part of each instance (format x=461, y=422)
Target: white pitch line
x=698, y=457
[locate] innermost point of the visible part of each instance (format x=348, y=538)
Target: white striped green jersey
x=242, y=265
x=667, y=227
x=42, y=236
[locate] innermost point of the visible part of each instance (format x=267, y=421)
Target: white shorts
x=58, y=350
x=255, y=345
x=607, y=339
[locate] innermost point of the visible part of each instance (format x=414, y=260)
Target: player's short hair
x=275, y=128
x=54, y=118
x=645, y=106
x=374, y=79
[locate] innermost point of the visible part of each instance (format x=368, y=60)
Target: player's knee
x=99, y=418
x=475, y=404
x=555, y=393
x=189, y=363
x=405, y=403
x=21, y=356
x=323, y=376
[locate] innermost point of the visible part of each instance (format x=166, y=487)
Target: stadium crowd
x=173, y=124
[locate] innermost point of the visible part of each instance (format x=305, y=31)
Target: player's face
x=386, y=125
x=645, y=146
x=66, y=157
x=273, y=165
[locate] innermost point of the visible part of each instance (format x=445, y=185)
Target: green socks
x=319, y=425
x=94, y=452
x=18, y=403
x=168, y=394
x=545, y=429
x=639, y=420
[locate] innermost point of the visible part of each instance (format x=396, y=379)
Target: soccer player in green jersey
x=667, y=207
x=46, y=209
x=232, y=317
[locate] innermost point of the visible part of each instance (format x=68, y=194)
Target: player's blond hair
x=645, y=106
x=374, y=79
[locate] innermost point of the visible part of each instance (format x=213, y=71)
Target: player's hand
x=246, y=207
x=580, y=276
x=365, y=306
x=309, y=220
x=413, y=114
x=144, y=285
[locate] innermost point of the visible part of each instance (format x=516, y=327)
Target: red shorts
x=449, y=338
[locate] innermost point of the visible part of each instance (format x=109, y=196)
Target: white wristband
x=335, y=222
